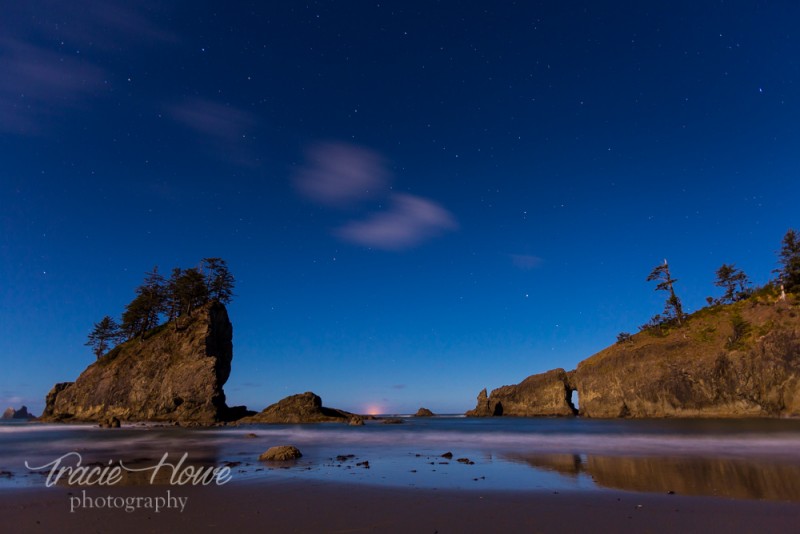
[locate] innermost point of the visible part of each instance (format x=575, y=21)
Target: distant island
x=21, y=414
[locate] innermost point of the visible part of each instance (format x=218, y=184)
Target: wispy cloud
x=212, y=119
x=399, y=386
x=340, y=174
x=37, y=83
x=129, y=20
x=111, y=24
x=227, y=129
x=409, y=221
x=525, y=262
x=54, y=56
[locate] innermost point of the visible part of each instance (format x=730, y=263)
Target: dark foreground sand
x=315, y=507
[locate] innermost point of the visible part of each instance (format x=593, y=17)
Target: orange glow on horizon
x=372, y=409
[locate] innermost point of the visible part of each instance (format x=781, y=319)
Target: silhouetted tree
x=673, y=310
x=186, y=291
x=624, y=337
x=143, y=312
x=735, y=283
x=789, y=258
x=173, y=302
x=137, y=317
x=105, y=335
x=219, y=280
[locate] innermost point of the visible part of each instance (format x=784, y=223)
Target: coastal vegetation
x=159, y=298
x=734, y=281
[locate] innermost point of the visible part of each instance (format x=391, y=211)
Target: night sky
x=417, y=199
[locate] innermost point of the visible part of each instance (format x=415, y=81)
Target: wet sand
x=321, y=507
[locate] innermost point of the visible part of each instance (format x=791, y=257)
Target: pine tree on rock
x=104, y=336
x=186, y=290
x=219, y=280
x=735, y=283
x=144, y=311
x=673, y=310
x=789, y=258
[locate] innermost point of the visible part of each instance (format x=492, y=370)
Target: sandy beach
x=320, y=507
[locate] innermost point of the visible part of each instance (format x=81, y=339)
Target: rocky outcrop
x=546, y=394
x=301, y=408
x=174, y=374
x=482, y=409
x=22, y=413
x=424, y=412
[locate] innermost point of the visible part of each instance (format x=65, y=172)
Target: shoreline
x=278, y=506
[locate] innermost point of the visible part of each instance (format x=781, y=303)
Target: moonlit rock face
x=173, y=375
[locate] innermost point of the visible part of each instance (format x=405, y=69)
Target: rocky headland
x=736, y=360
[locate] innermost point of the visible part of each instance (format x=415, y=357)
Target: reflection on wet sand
x=726, y=477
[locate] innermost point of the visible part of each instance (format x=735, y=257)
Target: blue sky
x=417, y=199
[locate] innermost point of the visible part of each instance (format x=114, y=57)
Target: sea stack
x=174, y=374
x=22, y=413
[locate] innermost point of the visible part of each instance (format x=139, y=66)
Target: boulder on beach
x=280, y=453
x=110, y=422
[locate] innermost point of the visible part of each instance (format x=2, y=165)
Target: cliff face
x=708, y=368
x=172, y=375
x=546, y=394
x=740, y=360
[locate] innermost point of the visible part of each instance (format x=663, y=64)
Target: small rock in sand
x=281, y=453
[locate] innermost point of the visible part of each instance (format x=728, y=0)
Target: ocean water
x=748, y=459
